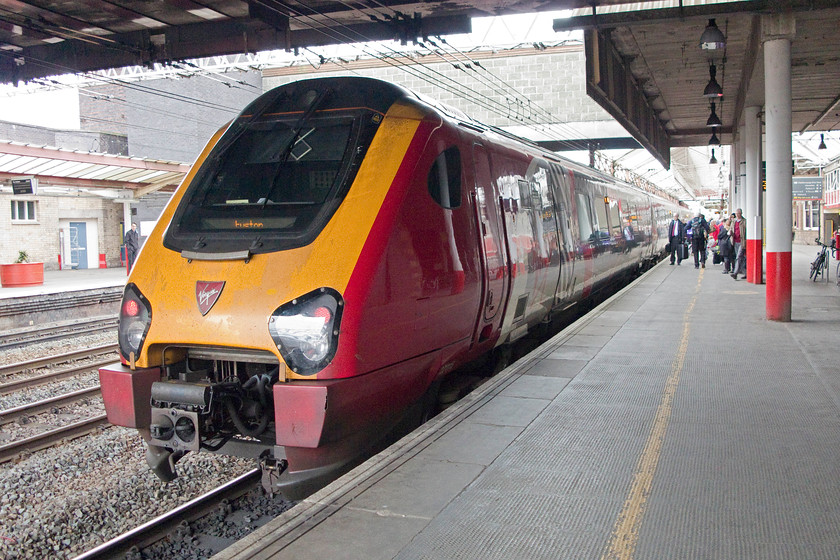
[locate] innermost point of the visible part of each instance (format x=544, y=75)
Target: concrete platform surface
x=56, y=281
x=674, y=421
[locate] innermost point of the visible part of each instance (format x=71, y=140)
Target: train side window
x=615, y=218
x=524, y=194
x=584, y=221
x=444, y=179
x=601, y=217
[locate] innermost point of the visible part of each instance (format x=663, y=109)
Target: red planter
x=21, y=274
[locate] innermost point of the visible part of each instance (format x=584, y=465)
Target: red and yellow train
x=335, y=252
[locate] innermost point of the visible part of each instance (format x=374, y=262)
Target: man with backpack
x=699, y=235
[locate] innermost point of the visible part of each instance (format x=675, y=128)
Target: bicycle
x=820, y=264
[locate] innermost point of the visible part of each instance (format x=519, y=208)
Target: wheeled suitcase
x=684, y=249
x=716, y=258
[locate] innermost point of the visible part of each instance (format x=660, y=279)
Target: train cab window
x=444, y=178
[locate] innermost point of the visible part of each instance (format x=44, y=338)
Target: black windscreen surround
x=282, y=168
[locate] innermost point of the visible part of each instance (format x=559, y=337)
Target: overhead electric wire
x=518, y=97
x=110, y=81
x=146, y=108
x=419, y=71
x=479, y=100
x=493, y=83
x=141, y=127
x=490, y=104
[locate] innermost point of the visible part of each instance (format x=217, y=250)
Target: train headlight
x=305, y=330
x=135, y=318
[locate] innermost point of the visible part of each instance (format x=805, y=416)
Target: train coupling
x=162, y=462
x=177, y=427
x=272, y=468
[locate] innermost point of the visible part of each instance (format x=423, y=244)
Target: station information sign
x=807, y=188
x=24, y=185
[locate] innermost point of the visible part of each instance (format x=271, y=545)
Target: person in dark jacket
x=699, y=237
x=132, y=245
x=725, y=246
x=676, y=238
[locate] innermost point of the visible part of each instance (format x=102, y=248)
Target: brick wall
x=41, y=240
x=553, y=80
x=85, y=141
x=170, y=119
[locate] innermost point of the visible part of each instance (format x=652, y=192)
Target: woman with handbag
x=725, y=246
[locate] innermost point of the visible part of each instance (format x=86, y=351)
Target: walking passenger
x=739, y=243
x=676, y=238
x=725, y=246
x=699, y=234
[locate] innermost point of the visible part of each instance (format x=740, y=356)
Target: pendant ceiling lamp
x=713, y=89
x=712, y=37
x=714, y=120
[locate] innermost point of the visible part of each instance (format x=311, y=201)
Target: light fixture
x=714, y=140
x=712, y=37
x=822, y=145
x=714, y=120
x=713, y=88
x=713, y=159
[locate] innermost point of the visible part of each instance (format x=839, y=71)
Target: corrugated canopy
x=58, y=167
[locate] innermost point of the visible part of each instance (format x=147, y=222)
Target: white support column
x=777, y=30
x=752, y=190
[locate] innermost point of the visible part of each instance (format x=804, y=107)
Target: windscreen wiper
x=298, y=128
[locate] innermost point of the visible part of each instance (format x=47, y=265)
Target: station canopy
x=69, y=169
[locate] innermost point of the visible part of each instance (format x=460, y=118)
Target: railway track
x=158, y=528
x=12, y=414
x=37, y=442
x=57, y=331
x=14, y=449
x=20, y=367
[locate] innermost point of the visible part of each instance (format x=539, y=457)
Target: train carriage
x=334, y=253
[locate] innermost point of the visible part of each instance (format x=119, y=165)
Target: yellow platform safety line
x=625, y=534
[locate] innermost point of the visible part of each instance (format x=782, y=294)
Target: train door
x=493, y=250
x=560, y=195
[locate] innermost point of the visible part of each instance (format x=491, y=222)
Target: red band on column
x=778, y=286
x=754, y=261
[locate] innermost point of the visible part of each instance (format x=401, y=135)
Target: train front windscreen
x=275, y=178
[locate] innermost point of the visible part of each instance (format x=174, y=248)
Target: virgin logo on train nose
x=207, y=294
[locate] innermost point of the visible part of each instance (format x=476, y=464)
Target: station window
x=23, y=211
x=812, y=214
x=444, y=178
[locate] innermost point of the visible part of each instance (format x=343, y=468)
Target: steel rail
x=11, y=369
x=12, y=414
x=47, y=439
x=43, y=334
x=47, y=377
x=161, y=526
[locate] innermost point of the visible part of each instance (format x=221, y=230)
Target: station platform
x=673, y=421
x=70, y=280
x=65, y=296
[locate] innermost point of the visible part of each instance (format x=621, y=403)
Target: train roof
x=380, y=95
